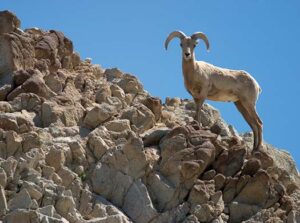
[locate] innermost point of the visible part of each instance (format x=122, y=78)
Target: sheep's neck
x=188, y=69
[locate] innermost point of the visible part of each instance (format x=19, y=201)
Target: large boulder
x=8, y=22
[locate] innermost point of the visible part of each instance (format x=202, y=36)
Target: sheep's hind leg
x=259, y=124
x=250, y=122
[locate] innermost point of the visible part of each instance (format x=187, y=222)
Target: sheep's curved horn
x=172, y=35
x=202, y=36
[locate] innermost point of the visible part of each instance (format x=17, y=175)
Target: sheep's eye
x=181, y=44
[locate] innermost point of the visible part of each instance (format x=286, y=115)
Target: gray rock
x=137, y=203
x=99, y=114
x=141, y=118
x=130, y=84
x=118, y=125
x=240, y=211
x=55, y=158
x=3, y=203
x=103, y=177
x=21, y=216
x=21, y=200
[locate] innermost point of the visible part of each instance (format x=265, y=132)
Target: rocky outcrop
x=79, y=143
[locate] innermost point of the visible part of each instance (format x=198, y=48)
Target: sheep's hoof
x=258, y=149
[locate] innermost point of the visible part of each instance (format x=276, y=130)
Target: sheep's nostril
x=187, y=54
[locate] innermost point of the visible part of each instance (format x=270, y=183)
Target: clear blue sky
x=259, y=36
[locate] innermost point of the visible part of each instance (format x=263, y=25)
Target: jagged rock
x=177, y=214
x=201, y=192
x=259, y=191
x=137, y=203
x=30, y=140
x=78, y=152
x=186, y=165
x=65, y=206
x=130, y=84
x=4, y=90
x=9, y=165
x=22, y=200
x=9, y=22
x=230, y=161
x=113, y=73
x=27, y=101
x=55, y=158
x=56, y=81
x=154, y=135
x=5, y=107
x=33, y=190
x=219, y=181
x=21, y=216
x=52, y=113
x=47, y=210
x=129, y=158
x=17, y=52
x=221, y=128
x=103, y=177
x=241, y=211
x=55, y=47
x=13, y=143
x=3, y=203
x=173, y=101
x=155, y=105
x=209, y=175
x=3, y=178
x=18, y=122
x=117, y=91
x=251, y=167
x=140, y=117
x=293, y=217
x=99, y=114
x=103, y=94
x=118, y=125
x=97, y=144
x=66, y=175
x=161, y=191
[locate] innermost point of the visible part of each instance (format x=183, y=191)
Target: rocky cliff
x=79, y=143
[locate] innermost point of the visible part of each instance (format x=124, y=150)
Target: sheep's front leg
x=199, y=102
x=199, y=99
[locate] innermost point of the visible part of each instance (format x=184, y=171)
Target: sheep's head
x=187, y=43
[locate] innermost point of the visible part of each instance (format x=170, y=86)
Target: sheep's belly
x=223, y=96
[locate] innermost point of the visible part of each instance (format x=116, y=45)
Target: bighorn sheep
x=203, y=80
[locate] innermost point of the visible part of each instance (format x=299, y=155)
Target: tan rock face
x=79, y=143
x=9, y=22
